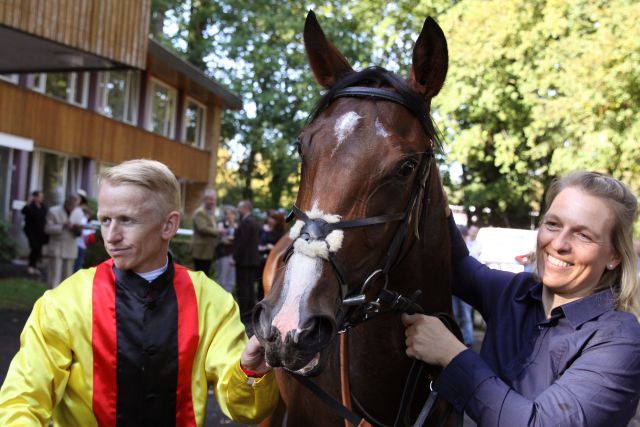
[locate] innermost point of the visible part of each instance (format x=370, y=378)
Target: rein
x=355, y=308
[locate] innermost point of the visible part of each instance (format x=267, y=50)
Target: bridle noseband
x=355, y=308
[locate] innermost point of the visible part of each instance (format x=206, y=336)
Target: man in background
x=63, y=225
x=205, y=232
x=246, y=258
x=35, y=218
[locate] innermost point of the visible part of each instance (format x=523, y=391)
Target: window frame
x=201, y=132
x=131, y=100
x=41, y=87
x=173, y=111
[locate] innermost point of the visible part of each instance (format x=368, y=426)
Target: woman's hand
x=252, y=357
x=429, y=340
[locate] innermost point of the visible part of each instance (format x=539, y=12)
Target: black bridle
x=355, y=308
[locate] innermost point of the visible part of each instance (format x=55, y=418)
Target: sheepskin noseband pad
x=311, y=238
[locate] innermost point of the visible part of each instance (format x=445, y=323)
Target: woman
x=561, y=347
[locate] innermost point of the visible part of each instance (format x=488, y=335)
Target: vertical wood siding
x=114, y=29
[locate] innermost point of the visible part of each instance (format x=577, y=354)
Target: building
x=83, y=87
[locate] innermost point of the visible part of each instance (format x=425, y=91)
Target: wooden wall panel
x=114, y=29
x=55, y=125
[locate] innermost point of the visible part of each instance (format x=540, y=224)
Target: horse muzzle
x=298, y=349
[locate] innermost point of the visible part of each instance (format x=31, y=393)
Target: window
x=162, y=109
x=194, y=115
x=119, y=91
x=69, y=87
x=13, y=78
x=56, y=175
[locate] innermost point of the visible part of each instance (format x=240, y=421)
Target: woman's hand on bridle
x=429, y=340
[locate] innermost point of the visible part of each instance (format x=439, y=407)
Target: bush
x=8, y=248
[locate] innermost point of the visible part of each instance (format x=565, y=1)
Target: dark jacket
x=247, y=238
x=35, y=219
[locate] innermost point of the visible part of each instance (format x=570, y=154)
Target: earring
x=610, y=266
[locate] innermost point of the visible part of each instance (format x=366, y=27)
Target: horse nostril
x=319, y=331
x=262, y=324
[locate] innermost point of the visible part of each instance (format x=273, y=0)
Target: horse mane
x=380, y=77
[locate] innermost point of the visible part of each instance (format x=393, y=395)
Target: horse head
x=366, y=156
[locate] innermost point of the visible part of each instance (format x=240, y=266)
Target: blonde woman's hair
x=623, y=204
x=149, y=174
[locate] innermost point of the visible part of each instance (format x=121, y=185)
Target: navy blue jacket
x=581, y=367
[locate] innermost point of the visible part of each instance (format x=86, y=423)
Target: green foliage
x=8, y=248
x=180, y=248
x=535, y=88
x=20, y=294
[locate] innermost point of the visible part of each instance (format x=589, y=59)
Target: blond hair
x=149, y=174
x=623, y=279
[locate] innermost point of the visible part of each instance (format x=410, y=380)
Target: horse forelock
x=380, y=78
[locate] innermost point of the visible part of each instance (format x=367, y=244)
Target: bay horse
x=370, y=232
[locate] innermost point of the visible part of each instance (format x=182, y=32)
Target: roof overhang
x=21, y=52
x=228, y=99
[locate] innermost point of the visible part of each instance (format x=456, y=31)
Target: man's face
x=210, y=201
x=136, y=234
x=70, y=204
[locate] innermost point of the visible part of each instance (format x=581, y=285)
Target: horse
x=370, y=238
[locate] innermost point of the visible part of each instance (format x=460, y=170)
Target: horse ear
x=327, y=63
x=430, y=60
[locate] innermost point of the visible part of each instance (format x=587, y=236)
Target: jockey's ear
x=327, y=63
x=430, y=60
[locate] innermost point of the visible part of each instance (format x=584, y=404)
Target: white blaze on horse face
x=345, y=125
x=301, y=275
x=380, y=130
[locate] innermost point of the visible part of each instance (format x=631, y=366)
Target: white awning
x=16, y=142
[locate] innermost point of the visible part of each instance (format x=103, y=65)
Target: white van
x=500, y=246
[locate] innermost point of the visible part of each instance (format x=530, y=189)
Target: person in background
x=137, y=340
x=462, y=311
x=562, y=347
x=475, y=248
x=63, y=225
x=246, y=258
x=35, y=218
x=225, y=271
x=205, y=232
x=83, y=219
x=272, y=230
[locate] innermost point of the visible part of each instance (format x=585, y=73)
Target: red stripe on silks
x=103, y=341
x=188, y=337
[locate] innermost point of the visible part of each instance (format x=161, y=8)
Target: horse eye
x=407, y=168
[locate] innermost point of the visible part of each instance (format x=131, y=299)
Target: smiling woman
x=562, y=346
